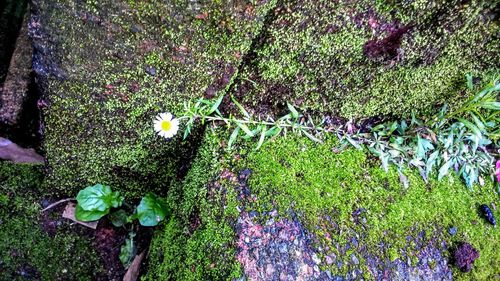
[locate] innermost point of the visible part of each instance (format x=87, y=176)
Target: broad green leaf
x=128, y=251
x=83, y=215
x=118, y=218
x=98, y=198
x=293, y=111
x=152, y=210
x=233, y=137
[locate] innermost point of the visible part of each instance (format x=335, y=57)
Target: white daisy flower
x=166, y=125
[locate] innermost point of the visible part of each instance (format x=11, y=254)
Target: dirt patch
x=386, y=48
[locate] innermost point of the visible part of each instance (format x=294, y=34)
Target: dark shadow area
x=25, y=130
x=11, y=18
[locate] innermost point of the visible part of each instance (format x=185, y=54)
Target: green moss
x=27, y=251
x=198, y=242
x=318, y=182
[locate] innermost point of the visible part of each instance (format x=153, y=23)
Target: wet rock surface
x=273, y=246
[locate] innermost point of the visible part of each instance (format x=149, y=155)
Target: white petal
x=175, y=122
x=169, y=116
x=174, y=130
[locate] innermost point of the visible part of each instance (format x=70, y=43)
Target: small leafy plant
x=450, y=141
x=456, y=140
x=94, y=202
x=247, y=127
x=97, y=201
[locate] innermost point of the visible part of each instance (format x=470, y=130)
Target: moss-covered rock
x=108, y=67
x=370, y=58
x=348, y=216
x=28, y=250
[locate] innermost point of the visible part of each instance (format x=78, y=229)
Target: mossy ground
x=27, y=250
x=119, y=63
x=315, y=182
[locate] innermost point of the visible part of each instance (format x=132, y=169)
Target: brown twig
x=57, y=203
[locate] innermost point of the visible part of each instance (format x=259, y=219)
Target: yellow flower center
x=166, y=125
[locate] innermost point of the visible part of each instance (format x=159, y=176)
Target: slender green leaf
x=470, y=83
x=384, y=158
x=443, y=171
x=403, y=179
x=353, y=142
x=262, y=138
x=493, y=105
x=242, y=109
x=254, y=133
x=233, y=137
x=471, y=126
x=311, y=137
x=293, y=111
x=273, y=131
x=216, y=104
x=245, y=129
x=128, y=251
